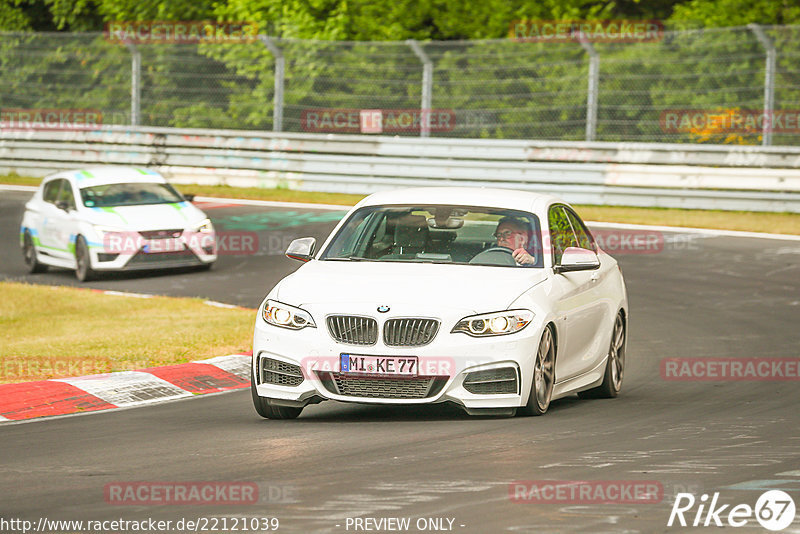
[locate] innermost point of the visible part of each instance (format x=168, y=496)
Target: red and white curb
x=124, y=389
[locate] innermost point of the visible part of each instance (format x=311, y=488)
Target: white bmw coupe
x=113, y=218
x=496, y=300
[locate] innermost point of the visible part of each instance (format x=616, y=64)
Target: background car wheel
x=544, y=374
x=83, y=268
x=615, y=367
x=29, y=254
x=268, y=411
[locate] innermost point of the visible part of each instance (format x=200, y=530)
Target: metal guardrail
x=633, y=174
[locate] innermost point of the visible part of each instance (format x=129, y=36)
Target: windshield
x=129, y=194
x=439, y=234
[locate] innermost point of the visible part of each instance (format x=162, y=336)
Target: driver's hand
x=522, y=257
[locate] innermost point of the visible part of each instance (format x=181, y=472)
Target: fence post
x=769, y=83
x=427, y=86
x=136, y=75
x=277, y=112
x=592, y=89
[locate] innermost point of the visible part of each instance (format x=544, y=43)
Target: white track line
x=220, y=304
x=127, y=294
x=689, y=230
x=26, y=188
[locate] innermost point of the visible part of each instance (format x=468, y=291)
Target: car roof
x=464, y=196
x=110, y=174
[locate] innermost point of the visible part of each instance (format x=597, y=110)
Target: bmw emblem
x=383, y=309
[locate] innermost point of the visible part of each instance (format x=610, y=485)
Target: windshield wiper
x=348, y=258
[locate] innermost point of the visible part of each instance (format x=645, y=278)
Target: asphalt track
x=699, y=296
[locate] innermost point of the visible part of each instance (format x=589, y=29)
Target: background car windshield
x=129, y=194
x=437, y=233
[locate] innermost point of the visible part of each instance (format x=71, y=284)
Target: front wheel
x=83, y=263
x=615, y=366
x=543, y=376
x=267, y=410
x=29, y=253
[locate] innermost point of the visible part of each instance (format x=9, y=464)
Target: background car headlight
x=205, y=226
x=494, y=324
x=280, y=314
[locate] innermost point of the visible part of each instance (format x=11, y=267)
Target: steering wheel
x=497, y=249
x=505, y=259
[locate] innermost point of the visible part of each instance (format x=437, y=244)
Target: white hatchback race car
x=498, y=301
x=113, y=219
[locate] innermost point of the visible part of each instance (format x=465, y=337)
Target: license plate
x=379, y=365
x=155, y=246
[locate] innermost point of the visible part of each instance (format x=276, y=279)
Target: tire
x=544, y=374
x=32, y=262
x=615, y=366
x=267, y=410
x=83, y=261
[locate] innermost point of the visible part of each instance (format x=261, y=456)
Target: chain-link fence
x=698, y=86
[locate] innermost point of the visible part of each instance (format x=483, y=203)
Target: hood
x=472, y=288
x=148, y=216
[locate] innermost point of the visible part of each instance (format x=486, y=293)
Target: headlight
x=205, y=226
x=280, y=314
x=494, y=324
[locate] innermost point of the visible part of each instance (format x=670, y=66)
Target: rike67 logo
x=774, y=510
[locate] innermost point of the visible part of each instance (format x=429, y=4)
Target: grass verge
x=747, y=221
x=54, y=332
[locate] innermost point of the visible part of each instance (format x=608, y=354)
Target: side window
x=561, y=234
x=585, y=239
x=50, y=193
x=65, y=194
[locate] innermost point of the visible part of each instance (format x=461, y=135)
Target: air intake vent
x=280, y=373
x=492, y=381
x=382, y=388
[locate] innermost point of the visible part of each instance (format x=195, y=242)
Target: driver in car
x=514, y=235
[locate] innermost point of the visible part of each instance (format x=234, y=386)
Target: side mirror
x=577, y=259
x=301, y=249
x=189, y=197
x=62, y=205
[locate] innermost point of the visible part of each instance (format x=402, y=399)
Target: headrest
x=411, y=231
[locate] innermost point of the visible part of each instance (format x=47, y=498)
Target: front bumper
x=313, y=358
x=184, y=253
